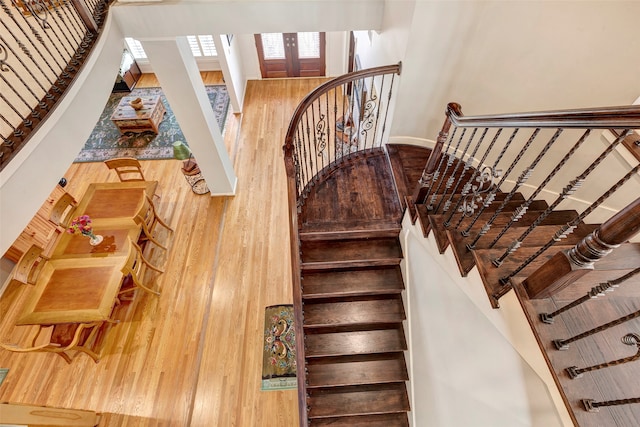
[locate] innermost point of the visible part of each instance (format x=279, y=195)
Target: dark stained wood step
x=357, y=370
x=355, y=342
x=344, y=315
x=442, y=239
x=350, y=234
x=383, y=280
x=359, y=194
x=538, y=237
x=358, y=400
x=350, y=250
x=424, y=213
x=381, y=420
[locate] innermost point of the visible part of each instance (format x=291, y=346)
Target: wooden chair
x=62, y=211
x=66, y=340
x=134, y=271
x=148, y=219
x=29, y=265
x=127, y=168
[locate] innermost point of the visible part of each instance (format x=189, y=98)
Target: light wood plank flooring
x=193, y=355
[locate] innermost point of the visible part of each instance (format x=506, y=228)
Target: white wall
x=499, y=56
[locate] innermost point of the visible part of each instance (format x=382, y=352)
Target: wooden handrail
x=568, y=266
x=627, y=116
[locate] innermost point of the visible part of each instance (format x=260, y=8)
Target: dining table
x=80, y=282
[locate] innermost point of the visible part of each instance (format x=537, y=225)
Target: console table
x=148, y=118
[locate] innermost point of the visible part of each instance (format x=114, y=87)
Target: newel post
x=568, y=266
x=424, y=182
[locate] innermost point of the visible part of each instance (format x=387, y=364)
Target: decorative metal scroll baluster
x=437, y=174
x=629, y=339
x=486, y=227
x=564, y=344
x=566, y=191
x=465, y=169
x=468, y=186
x=569, y=227
x=329, y=127
x=485, y=185
x=452, y=177
x=525, y=206
x=526, y=173
x=593, y=406
x=451, y=157
x=42, y=46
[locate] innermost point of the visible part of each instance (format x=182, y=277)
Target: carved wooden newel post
x=568, y=266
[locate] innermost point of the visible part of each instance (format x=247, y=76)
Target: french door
x=291, y=54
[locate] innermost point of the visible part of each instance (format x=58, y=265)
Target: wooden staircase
x=597, y=312
x=354, y=337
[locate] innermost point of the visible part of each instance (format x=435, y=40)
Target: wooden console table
x=127, y=119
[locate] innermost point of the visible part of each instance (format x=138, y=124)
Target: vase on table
x=94, y=239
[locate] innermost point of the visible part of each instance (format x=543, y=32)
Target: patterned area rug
x=106, y=142
x=279, y=352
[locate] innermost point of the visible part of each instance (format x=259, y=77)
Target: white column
x=176, y=69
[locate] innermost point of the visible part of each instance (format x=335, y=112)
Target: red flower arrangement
x=81, y=224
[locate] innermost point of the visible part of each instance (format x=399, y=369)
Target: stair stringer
x=454, y=369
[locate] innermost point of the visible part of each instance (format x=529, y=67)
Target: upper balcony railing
x=43, y=45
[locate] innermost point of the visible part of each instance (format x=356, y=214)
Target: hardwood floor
x=193, y=355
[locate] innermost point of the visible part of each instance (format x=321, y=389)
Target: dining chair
x=29, y=265
x=62, y=211
x=67, y=340
x=148, y=219
x=127, y=168
x=134, y=271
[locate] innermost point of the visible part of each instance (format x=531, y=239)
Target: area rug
x=106, y=142
x=279, y=351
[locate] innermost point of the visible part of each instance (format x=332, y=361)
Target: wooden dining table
x=80, y=282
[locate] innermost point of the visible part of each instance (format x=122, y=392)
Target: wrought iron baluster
x=499, y=184
x=592, y=406
x=468, y=186
x=541, y=187
x=595, y=292
x=564, y=344
x=486, y=177
x=566, y=191
x=629, y=339
x=465, y=169
x=431, y=181
x=451, y=157
x=568, y=228
x=451, y=179
x=524, y=176
x=375, y=97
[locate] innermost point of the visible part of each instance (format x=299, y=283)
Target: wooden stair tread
x=393, y=231
x=369, y=281
x=355, y=342
x=359, y=400
x=440, y=231
x=350, y=250
x=353, y=313
x=378, y=420
x=538, y=237
x=357, y=370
